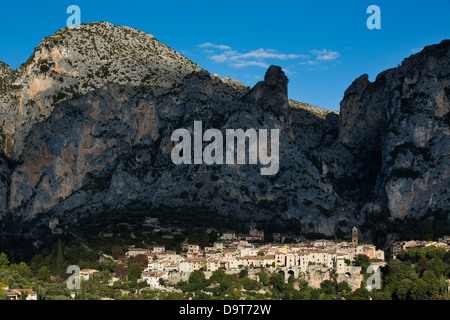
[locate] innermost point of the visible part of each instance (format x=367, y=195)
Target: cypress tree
x=59, y=256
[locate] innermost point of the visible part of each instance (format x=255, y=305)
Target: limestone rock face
x=401, y=122
x=272, y=92
x=75, y=61
x=360, y=118
x=86, y=124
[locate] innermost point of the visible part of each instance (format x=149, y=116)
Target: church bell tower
x=355, y=235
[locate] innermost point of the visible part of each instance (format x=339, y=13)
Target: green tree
x=396, y=272
x=343, y=287
x=36, y=263
x=264, y=277
x=434, y=252
x=328, y=287
x=437, y=266
x=429, y=276
x=403, y=291
x=226, y=285
x=412, y=255
x=360, y=294
x=44, y=274
x=218, y=276
x=134, y=272
x=381, y=295
x=305, y=292
x=419, y=290
x=24, y=270
x=243, y=273
x=4, y=262
x=277, y=281
x=59, y=256
x=435, y=287
x=363, y=261
x=196, y=281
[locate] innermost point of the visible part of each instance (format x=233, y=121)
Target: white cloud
x=319, y=57
x=214, y=46
x=269, y=54
x=309, y=62
x=219, y=58
x=261, y=57
x=246, y=63
x=253, y=58
x=325, y=55
x=223, y=57
x=289, y=72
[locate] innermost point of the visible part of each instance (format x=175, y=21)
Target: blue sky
x=322, y=45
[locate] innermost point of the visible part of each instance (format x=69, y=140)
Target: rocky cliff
x=400, y=125
x=86, y=125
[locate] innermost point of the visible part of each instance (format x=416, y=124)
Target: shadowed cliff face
x=112, y=146
x=386, y=152
x=398, y=126
x=271, y=94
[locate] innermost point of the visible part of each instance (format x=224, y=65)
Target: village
x=313, y=261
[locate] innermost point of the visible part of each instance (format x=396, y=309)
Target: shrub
x=44, y=68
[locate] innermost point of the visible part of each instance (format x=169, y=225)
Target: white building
x=153, y=278
x=156, y=265
x=186, y=266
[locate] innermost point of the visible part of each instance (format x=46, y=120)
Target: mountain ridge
x=383, y=156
